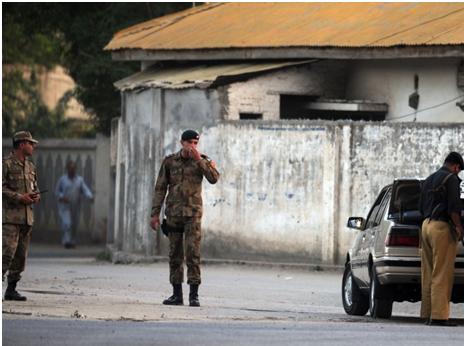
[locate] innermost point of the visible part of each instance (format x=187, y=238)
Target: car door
x=375, y=231
x=368, y=236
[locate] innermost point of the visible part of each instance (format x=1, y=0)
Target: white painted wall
x=137, y=143
x=276, y=192
x=286, y=187
x=392, y=81
x=149, y=129
x=262, y=94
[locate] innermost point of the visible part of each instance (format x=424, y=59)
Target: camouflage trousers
x=191, y=248
x=15, y=240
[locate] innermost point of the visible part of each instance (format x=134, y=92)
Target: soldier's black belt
x=166, y=229
x=440, y=218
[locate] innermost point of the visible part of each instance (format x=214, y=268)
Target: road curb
x=122, y=257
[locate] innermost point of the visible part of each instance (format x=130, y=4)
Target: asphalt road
x=78, y=301
x=50, y=332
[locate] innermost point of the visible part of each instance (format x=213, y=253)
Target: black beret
x=455, y=158
x=190, y=134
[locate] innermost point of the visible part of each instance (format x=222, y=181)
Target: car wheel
x=378, y=307
x=354, y=302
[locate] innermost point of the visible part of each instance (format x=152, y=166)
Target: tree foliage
x=23, y=107
x=72, y=35
x=26, y=55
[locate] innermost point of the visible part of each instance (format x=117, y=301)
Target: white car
x=383, y=265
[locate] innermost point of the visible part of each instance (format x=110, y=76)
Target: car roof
x=399, y=180
x=408, y=179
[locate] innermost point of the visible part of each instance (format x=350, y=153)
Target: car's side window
x=374, y=210
x=382, y=208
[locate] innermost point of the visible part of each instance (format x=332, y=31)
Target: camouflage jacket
x=182, y=179
x=18, y=178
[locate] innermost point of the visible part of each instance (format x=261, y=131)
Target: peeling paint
x=286, y=188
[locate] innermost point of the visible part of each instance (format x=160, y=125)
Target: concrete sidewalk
x=120, y=257
x=109, y=253
x=39, y=250
x=84, y=288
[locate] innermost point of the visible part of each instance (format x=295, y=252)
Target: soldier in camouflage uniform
x=19, y=193
x=181, y=175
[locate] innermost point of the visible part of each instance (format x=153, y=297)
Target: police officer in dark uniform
x=441, y=207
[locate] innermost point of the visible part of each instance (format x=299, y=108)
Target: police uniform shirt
x=452, y=203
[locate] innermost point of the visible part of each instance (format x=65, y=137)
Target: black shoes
x=177, y=296
x=193, y=296
x=442, y=323
x=12, y=294
x=174, y=300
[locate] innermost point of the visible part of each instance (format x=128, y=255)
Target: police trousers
x=184, y=244
x=15, y=240
x=438, y=255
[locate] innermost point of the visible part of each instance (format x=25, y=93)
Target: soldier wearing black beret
x=181, y=175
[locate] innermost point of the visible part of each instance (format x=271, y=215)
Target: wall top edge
x=295, y=122
x=55, y=143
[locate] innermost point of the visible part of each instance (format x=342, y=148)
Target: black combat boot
x=177, y=297
x=193, y=296
x=12, y=294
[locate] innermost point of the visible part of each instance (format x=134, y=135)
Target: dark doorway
x=251, y=116
x=313, y=107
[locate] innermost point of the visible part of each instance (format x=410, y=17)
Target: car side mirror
x=355, y=222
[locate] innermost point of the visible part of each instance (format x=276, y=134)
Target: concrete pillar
x=102, y=188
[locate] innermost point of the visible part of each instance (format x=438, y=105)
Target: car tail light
x=403, y=236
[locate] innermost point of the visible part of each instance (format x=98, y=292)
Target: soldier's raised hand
x=194, y=153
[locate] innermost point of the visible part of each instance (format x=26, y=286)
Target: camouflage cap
x=23, y=136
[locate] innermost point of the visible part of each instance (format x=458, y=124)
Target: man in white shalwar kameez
x=69, y=189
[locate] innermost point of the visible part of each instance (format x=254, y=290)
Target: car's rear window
x=404, y=204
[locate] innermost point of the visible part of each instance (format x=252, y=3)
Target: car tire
x=378, y=307
x=354, y=302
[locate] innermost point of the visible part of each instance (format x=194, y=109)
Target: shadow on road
x=38, y=250
x=417, y=320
